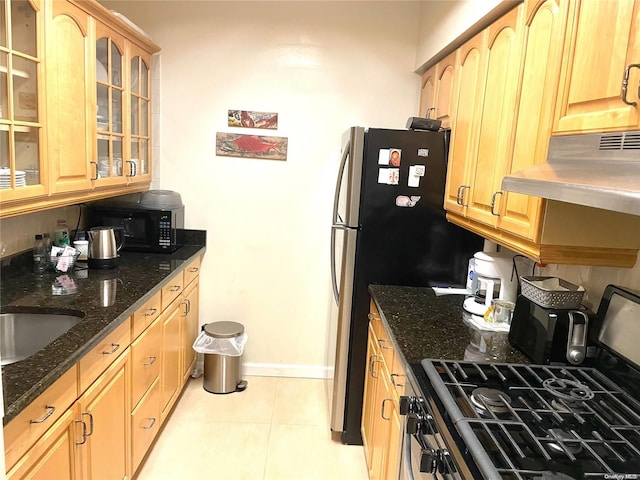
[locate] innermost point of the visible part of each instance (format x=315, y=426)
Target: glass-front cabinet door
x=139, y=163
x=110, y=118
x=21, y=159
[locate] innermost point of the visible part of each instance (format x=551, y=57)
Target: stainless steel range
x=507, y=421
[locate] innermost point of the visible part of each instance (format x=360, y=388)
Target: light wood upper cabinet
x=504, y=51
x=68, y=81
x=138, y=148
x=464, y=138
x=446, y=90
x=428, y=93
x=602, y=41
x=544, y=27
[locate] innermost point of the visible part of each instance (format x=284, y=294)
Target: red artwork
x=251, y=146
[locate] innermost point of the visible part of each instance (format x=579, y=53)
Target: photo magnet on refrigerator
x=390, y=176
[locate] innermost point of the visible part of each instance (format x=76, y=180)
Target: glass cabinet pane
x=134, y=115
x=103, y=107
x=3, y=24
x=103, y=156
x=116, y=110
x=144, y=79
x=102, y=57
x=144, y=156
x=25, y=89
x=4, y=154
x=23, y=27
x=116, y=66
x=144, y=117
x=4, y=98
x=135, y=62
x=27, y=157
x=135, y=152
x=117, y=157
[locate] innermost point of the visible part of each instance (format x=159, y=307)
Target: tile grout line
x=273, y=410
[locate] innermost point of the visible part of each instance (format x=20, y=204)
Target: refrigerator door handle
x=336, y=196
x=334, y=277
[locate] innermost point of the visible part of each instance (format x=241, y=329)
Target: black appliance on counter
x=548, y=335
x=150, y=229
x=517, y=421
x=389, y=227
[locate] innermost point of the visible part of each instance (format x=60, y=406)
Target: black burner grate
x=569, y=420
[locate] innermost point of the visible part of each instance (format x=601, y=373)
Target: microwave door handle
x=577, y=337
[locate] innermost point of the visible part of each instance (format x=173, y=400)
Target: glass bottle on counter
x=61, y=234
x=39, y=255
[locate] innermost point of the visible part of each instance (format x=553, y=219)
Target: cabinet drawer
x=145, y=424
x=22, y=432
x=171, y=290
x=146, y=352
x=101, y=356
x=145, y=315
x=191, y=271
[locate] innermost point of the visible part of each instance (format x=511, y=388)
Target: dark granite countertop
x=426, y=326
x=140, y=276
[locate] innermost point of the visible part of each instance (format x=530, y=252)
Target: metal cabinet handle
x=84, y=433
x=175, y=288
x=188, y=305
x=373, y=316
x=382, y=346
x=90, y=423
x=194, y=269
x=151, y=312
x=132, y=168
x=493, y=202
x=115, y=348
x=393, y=380
x=374, y=374
x=50, y=410
x=460, y=195
x=152, y=358
x=153, y=422
x=382, y=409
x=429, y=110
x=625, y=83
x=96, y=164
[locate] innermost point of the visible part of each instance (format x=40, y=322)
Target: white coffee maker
x=493, y=278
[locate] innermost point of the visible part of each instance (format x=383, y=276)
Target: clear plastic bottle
x=39, y=255
x=61, y=234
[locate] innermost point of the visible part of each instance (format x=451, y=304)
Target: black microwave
x=144, y=229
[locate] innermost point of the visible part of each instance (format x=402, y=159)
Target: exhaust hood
x=597, y=170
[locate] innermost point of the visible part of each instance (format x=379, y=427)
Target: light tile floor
x=277, y=429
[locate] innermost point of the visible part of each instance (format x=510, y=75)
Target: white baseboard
x=283, y=370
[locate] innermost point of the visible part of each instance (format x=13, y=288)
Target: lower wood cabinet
x=100, y=418
x=381, y=421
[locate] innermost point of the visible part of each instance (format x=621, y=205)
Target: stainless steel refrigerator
x=389, y=227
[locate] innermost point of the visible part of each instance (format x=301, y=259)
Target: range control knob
x=407, y=404
x=428, y=460
x=414, y=423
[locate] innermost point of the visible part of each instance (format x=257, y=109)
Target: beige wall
x=322, y=66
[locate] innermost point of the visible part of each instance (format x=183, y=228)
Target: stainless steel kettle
x=104, y=245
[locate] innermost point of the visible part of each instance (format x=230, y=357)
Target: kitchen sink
x=27, y=330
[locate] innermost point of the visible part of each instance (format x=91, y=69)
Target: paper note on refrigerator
x=390, y=176
x=415, y=172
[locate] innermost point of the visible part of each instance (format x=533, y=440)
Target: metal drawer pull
x=382, y=409
x=175, y=288
x=90, y=423
x=153, y=359
x=153, y=422
x=393, y=380
x=151, y=312
x=115, y=346
x=493, y=202
x=625, y=83
x=50, y=411
x=382, y=346
x=84, y=433
x=194, y=269
x=374, y=374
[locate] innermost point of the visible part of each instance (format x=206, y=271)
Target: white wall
x=323, y=66
x=442, y=21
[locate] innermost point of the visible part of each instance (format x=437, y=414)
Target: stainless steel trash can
x=223, y=373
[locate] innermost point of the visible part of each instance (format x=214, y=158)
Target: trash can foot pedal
x=241, y=386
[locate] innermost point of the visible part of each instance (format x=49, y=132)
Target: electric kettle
x=104, y=245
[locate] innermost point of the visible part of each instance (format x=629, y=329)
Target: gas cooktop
x=539, y=421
